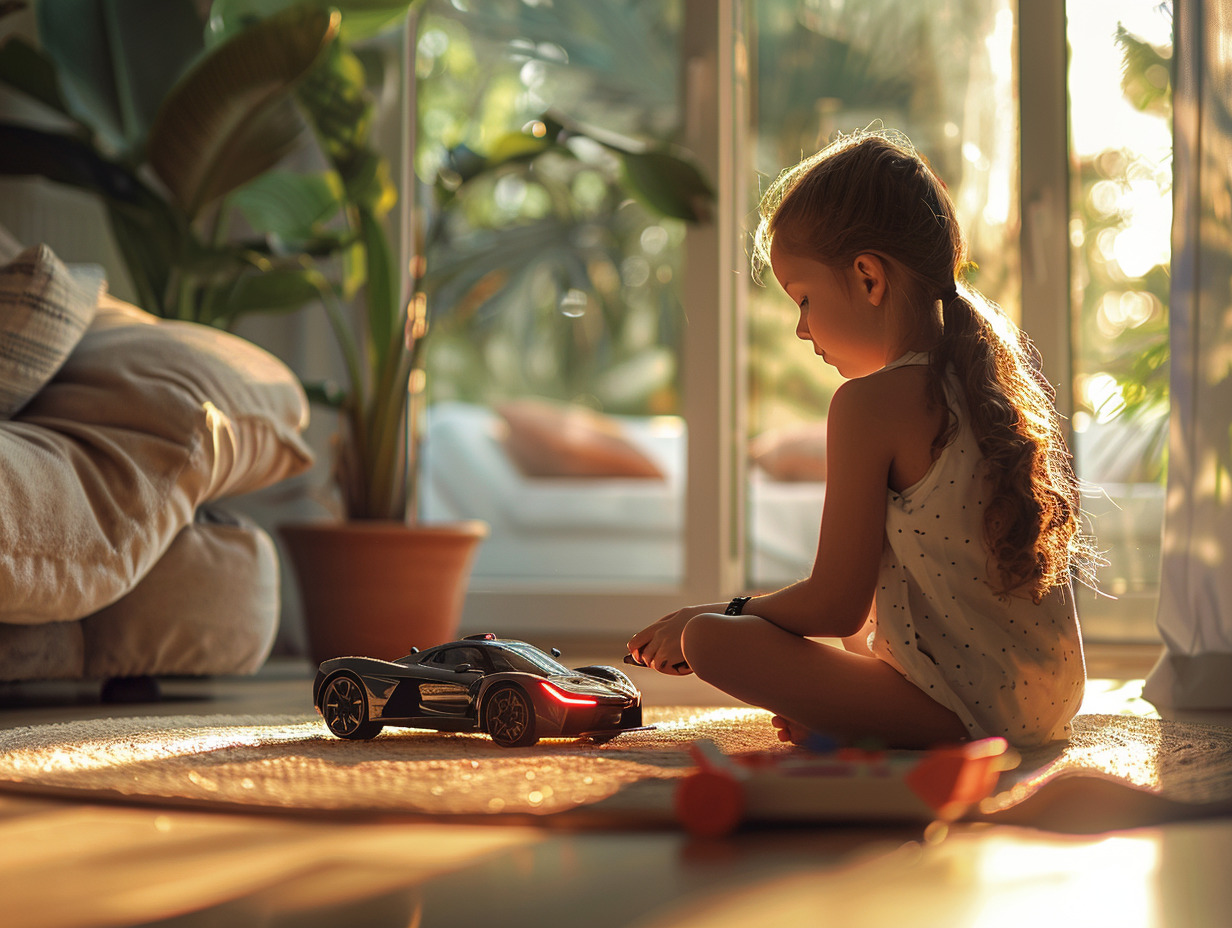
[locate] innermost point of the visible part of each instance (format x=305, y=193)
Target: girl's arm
x=834, y=600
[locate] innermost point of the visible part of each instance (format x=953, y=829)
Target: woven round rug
x=294, y=763
x=1117, y=771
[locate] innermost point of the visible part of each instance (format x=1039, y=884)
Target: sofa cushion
x=44, y=309
x=145, y=421
x=51, y=651
x=209, y=606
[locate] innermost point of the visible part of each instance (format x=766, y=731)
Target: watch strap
x=736, y=606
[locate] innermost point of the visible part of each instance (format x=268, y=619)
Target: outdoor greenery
x=1123, y=318
x=559, y=282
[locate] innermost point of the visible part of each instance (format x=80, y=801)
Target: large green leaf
x=276, y=290
x=289, y=205
x=65, y=160
x=230, y=118
x=668, y=184
x=116, y=59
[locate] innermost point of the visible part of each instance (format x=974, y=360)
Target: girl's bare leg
x=858, y=643
x=820, y=688
x=793, y=731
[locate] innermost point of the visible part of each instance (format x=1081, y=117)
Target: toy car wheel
x=344, y=706
x=509, y=717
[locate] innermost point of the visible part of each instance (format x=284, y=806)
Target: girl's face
x=841, y=311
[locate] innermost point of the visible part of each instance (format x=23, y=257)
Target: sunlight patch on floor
x=1116, y=697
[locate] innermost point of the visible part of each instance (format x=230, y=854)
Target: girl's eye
x=804, y=303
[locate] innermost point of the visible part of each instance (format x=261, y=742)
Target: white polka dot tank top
x=1004, y=665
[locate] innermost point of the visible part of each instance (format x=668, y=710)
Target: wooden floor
x=70, y=864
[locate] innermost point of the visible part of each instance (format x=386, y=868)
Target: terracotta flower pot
x=377, y=589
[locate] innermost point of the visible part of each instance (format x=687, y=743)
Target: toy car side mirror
x=462, y=668
x=556, y=652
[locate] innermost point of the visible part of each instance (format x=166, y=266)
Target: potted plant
x=266, y=76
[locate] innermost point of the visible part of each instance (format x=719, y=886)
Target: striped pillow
x=44, y=309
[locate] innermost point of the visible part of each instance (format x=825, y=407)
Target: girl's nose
x=802, y=329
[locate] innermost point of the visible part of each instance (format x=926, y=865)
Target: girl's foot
x=788, y=730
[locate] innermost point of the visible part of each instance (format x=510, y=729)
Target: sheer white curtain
x=1195, y=610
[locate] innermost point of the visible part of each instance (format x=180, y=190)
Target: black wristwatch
x=736, y=606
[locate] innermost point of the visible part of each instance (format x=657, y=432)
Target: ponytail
x=1030, y=522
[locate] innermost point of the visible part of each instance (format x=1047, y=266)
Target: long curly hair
x=870, y=192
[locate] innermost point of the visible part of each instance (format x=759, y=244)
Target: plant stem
x=351, y=472
x=346, y=341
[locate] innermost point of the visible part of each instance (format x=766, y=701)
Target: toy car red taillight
x=566, y=699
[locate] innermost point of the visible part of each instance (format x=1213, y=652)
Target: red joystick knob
x=709, y=803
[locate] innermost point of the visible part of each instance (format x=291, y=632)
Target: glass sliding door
x=1119, y=231
x=627, y=409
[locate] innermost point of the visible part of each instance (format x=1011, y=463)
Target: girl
x=950, y=524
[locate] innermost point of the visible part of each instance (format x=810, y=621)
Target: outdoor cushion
x=547, y=439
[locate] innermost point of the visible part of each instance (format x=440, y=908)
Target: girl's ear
x=870, y=272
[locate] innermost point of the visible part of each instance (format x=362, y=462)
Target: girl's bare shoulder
x=897, y=414
x=892, y=396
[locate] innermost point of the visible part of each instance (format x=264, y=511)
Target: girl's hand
x=658, y=645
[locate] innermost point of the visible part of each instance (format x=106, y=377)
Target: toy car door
x=448, y=682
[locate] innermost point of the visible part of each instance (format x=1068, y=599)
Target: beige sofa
x=114, y=560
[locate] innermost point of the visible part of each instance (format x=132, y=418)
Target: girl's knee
x=706, y=642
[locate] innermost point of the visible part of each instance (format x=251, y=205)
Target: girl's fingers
x=646, y=640
x=658, y=646
x=641, y=639
x=648, y=652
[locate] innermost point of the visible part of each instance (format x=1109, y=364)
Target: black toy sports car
x=510, y=689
